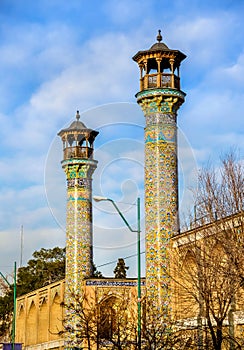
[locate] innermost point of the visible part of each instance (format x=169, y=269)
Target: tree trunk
x=219, y=333
x=231, y=324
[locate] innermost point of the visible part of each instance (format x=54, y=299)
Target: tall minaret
x=160, y=98
x=79, y=165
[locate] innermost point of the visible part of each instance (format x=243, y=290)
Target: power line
x=113, y=262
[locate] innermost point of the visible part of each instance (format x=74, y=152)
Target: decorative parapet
x=113, y=283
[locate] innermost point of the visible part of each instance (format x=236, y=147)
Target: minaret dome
x=77, y=140
x=159, y=66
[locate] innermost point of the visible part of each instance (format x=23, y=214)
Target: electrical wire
x=113, y=262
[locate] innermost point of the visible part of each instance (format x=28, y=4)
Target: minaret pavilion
x=79, y=165
x=160, y=97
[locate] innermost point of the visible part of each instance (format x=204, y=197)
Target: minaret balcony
x=78, y=152
x=160, y=80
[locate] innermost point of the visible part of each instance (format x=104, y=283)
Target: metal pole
x=14, y=315
x=139, y=273
x=97, y=198
x=138, y=263
x=14, y=312
x=121, y=215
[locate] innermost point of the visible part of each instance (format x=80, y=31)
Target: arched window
x=107, y=323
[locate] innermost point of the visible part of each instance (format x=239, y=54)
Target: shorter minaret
x=79, y=165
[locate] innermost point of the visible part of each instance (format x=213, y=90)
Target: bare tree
x=163, y=333
x=80, y=325
x=107, y=319
x=6, y=309
x=210, y=258
x=118, y=320
x=4, y=287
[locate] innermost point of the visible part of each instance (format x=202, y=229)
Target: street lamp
x=14, y=314
x=99, y=199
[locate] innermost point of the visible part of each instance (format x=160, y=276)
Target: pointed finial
x=159, y=36
x=77, y=115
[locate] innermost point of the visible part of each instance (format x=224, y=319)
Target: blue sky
x=58, y=56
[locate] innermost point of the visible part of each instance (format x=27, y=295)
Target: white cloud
x=201, y=37
x=101, y=72
x=24, y=205
x=231, y=75
x=33, y=239
x=48, y=72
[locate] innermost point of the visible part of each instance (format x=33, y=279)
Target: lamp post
x=14, y=313
x=99, y=199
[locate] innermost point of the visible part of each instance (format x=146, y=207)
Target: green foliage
x=47, y=266
x=120, y=269
x=6, y=309
x=96, y=273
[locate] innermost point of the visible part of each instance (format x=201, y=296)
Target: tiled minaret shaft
x=79, y=165
x=160, y=98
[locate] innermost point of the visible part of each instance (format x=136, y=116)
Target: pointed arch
x=218, y=251
x=43, y=321
x=55, y=293
x=190, y=261
x=20, y=330
x=31, y=325
x=56, y=317
x=187, y=285
x=108, y=319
